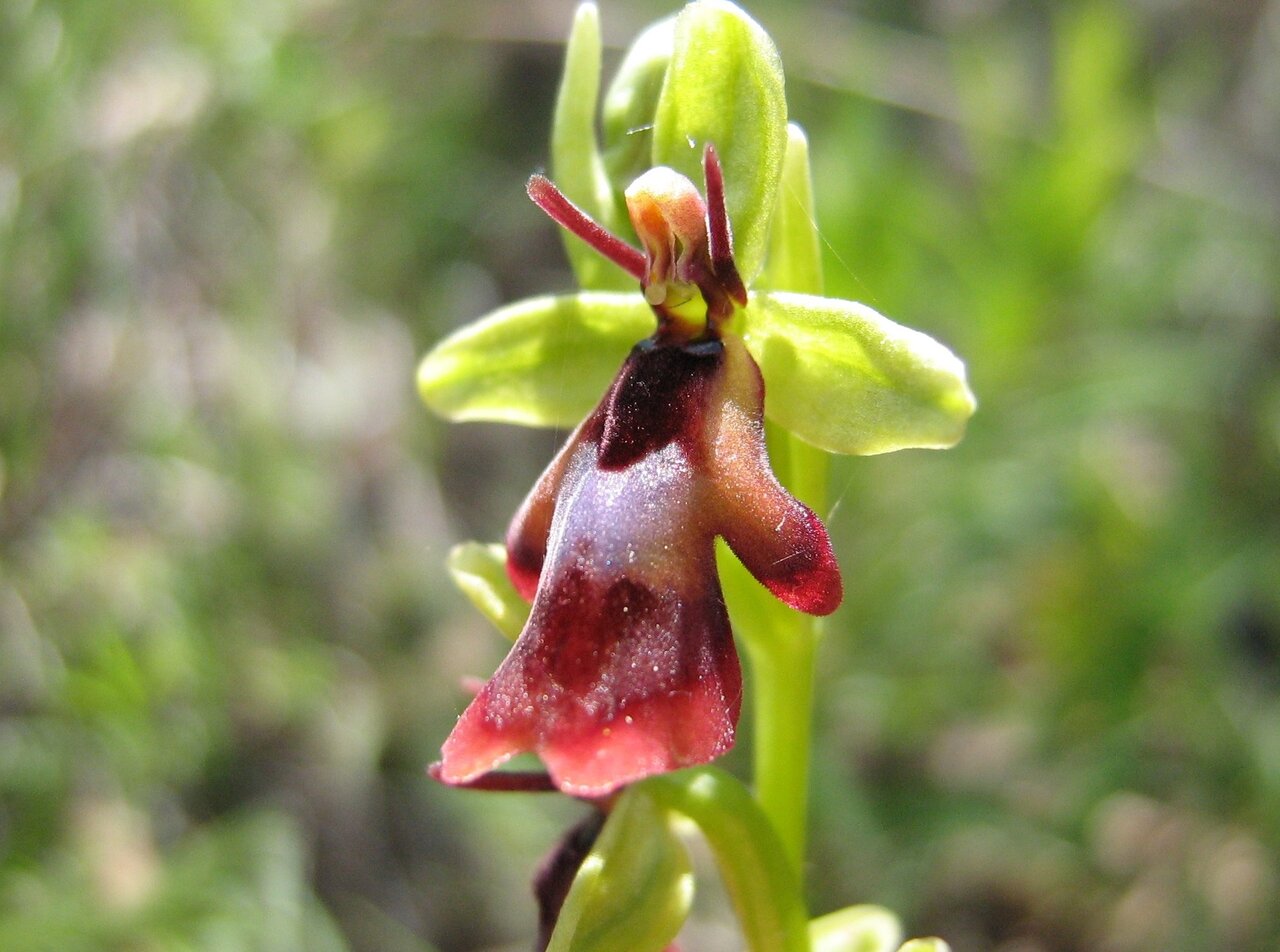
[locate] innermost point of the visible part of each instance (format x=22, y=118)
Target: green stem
x=783, y=653
x=782, y=667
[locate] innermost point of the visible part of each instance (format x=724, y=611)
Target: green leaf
x=794, y=262
x=544, y=361
x=724, y=86
x=849, y=380
x=633, y=890
x=576, y=163
x=480, y=572
x=856, y=929
x=758, y=877
x=630, y=103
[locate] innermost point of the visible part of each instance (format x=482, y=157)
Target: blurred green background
x=1050, y=708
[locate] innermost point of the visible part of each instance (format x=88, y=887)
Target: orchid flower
x=624, y=665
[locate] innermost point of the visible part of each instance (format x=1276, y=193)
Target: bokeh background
x=1050, y=708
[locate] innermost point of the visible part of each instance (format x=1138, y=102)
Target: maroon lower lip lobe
x=626, y=666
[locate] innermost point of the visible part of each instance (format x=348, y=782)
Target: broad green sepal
x=724, y=86
x=794, y=262
x=480, y=572
x=629, y=104
x=760, y=880
x=633, y=890
x=849, y=380
x=856, y=929
x=576, y=163
x=925, y=945
x=544, y=361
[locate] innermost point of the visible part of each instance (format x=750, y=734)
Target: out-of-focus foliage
x=1051, y=708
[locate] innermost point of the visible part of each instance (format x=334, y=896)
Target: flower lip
x=626, y=666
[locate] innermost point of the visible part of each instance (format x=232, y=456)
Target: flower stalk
x=783, y=661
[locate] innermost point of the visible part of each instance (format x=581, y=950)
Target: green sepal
x=634, y=889
x=479, y=570
x=856, y=929
x=724, y=86
x=849, y=380
x=576, y=164
x=760, y=880
x=544, y=361
x=794, y=262
x=630, y=102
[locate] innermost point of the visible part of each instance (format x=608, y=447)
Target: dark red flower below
x=626, y=666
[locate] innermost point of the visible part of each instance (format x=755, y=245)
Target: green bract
x=633, y=890
x=480, y=572
x=758, y=877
